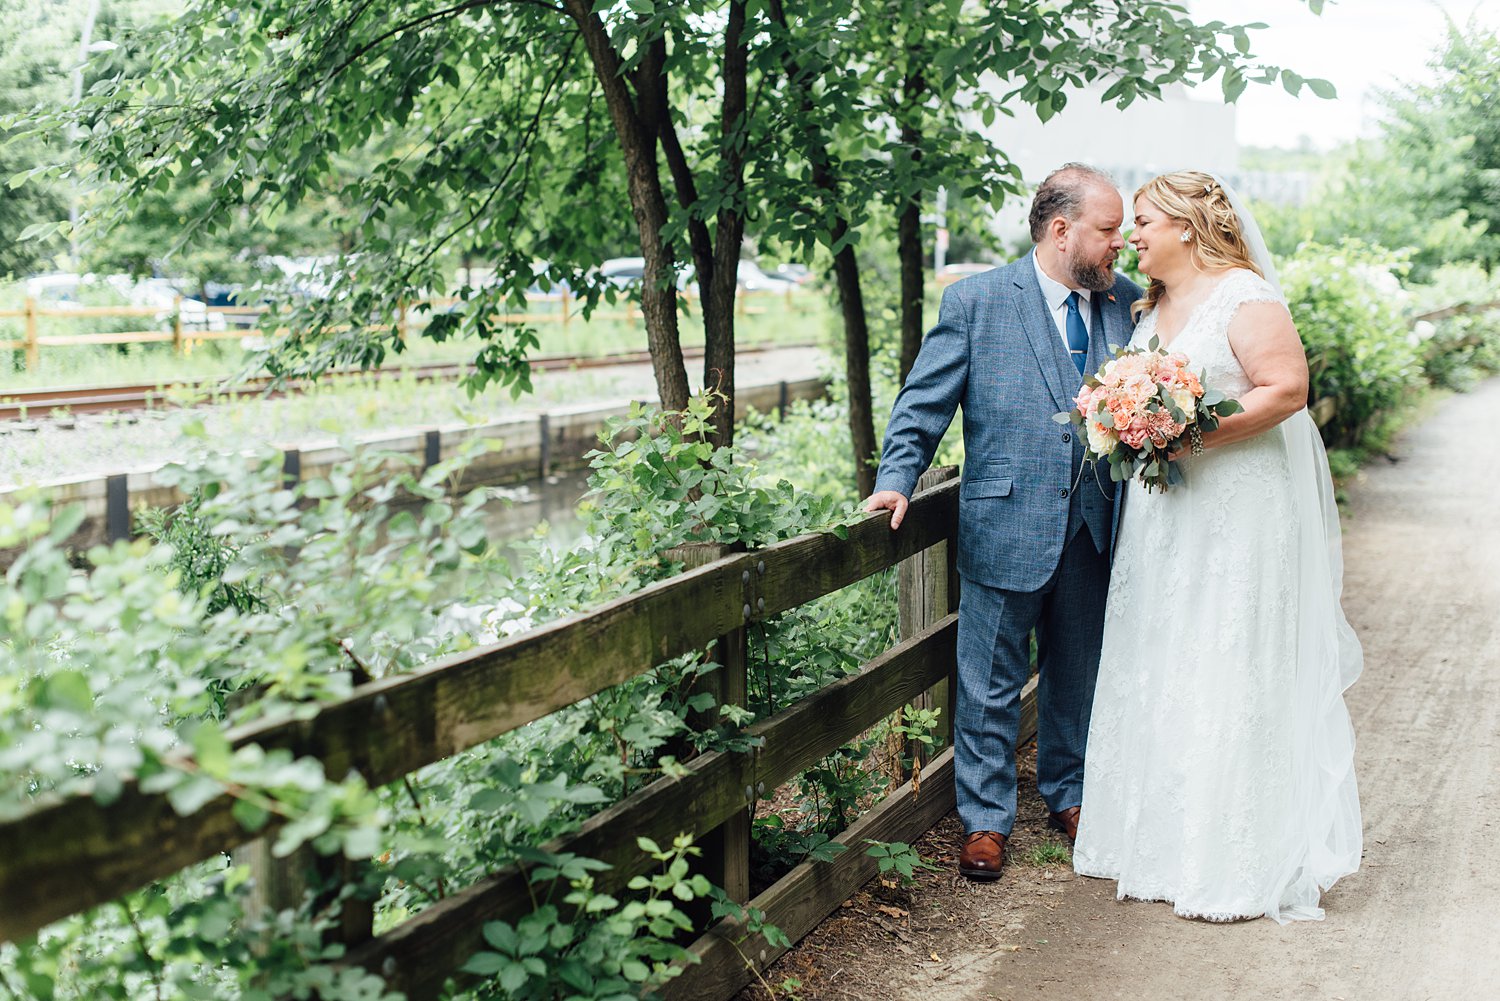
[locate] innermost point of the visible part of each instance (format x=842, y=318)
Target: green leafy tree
x=34, y=39
x=889, y=96
x=1453, y=117
x=539, y=135
x=1429, y=182
x=1369, y=192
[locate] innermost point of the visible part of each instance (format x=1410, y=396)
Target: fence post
x=279, y=884
x=567, y=306
x=726, y=849
x=401, y=325
x=32, y=359
x=544, y=441
x=177, y=345
x=117, y=508
x=927, y=591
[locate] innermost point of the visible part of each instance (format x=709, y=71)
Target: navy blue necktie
x=1078, y=334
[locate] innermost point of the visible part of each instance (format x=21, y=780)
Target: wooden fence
x=70, y=854
x=559, y=308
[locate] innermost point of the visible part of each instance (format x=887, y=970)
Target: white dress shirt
x=1056, y=295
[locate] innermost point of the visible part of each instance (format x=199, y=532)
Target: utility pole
x=940, y=244
x=85, y=42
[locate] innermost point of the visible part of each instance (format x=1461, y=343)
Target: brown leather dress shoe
x=1065, y=821
x=982, y=855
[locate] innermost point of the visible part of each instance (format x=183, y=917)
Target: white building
x=1133, y=144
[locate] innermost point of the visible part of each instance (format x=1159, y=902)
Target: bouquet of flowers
x=1143, y=406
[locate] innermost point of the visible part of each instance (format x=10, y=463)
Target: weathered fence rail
x=71, y=853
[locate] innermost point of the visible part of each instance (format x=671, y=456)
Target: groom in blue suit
x=1011, y=347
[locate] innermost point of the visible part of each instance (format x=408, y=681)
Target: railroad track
x=190, y=392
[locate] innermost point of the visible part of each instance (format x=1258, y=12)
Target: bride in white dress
x=1220, y=763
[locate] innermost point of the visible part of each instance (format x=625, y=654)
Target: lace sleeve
x=1247, y=286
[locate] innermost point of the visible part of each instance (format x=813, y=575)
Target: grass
x=772, y=319
x=1048, y=853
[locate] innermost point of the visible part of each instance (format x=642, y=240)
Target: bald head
x=1063, y=193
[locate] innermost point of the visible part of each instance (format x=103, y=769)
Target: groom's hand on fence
x=889, y=500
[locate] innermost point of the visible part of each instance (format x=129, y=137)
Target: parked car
x=748, y=276
x=752, y=279
x=949, y=273
x=163, y=295
x=66, y=290
x=793, y=272
x=57, y=291
x=623, y=271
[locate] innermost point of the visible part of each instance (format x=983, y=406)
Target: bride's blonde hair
x=1196, y=200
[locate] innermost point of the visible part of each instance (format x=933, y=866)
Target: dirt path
x=1419, y=920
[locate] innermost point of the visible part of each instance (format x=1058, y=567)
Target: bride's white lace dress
x=1219, y=773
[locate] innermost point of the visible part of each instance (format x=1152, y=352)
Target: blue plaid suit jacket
x=996, y=352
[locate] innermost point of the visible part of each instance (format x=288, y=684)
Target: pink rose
x=1135, y=435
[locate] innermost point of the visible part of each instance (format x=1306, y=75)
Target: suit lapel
x=1105, y=332
x=1036, y=321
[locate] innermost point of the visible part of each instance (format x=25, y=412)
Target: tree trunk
x=846, y=274
x=648, y=205
x=909, y=231
x=909, y=218
x=909, y=248
x=718, y=300
x=856, y=362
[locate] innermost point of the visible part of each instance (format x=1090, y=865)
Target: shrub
x=1459, y=349
x=1348, y=303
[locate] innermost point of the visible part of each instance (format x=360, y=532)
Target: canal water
x=514, y=512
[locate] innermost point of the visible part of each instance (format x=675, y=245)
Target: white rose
x=1185, y=400
x=1101, y=439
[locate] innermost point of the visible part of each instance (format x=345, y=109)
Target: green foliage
x=38, y=42
x=1430, y=182
x=898, y=857
x=1459, y=349
x=665, y=484
x=255, y=599
x=196, y=555
x=597, y=948
x=481, y=132
x=913, y=729
x=1451, y=122
x=1373, y=193
x=1345, y=300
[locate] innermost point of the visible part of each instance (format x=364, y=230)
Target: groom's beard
x=1096, y=276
